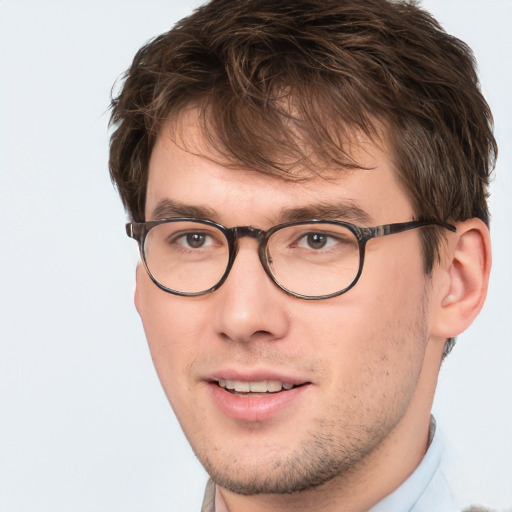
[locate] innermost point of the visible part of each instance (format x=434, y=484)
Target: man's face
x=357, y=361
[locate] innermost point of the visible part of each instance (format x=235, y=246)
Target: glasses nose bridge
x=249, y=231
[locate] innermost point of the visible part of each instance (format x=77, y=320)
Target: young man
x=307, y=182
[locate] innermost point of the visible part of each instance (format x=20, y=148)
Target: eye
x=195, y=240
x=192, y=240
x=317, y=241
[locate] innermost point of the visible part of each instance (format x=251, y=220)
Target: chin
x=280, y=473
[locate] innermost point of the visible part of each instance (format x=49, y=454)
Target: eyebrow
x=167, y=208
x=347, y=211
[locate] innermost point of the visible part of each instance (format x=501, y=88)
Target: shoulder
x=479, y=508
x=209, y=497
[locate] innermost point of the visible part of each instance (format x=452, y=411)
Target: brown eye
x=195, y=240
x=316, y=240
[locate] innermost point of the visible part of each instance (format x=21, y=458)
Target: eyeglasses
x=315, y=259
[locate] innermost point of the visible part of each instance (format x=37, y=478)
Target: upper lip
x=255, y=376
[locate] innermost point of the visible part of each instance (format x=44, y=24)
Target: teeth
x=274, y=385
x=242, y=387
x=258, y=387
x=263, y=386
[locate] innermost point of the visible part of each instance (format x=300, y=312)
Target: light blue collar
x=427, y=489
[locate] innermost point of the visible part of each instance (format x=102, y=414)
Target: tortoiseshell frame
x=139, y=230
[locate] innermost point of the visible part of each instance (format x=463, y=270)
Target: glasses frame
x=139, y=231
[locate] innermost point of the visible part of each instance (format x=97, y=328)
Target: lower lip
x=255, y=408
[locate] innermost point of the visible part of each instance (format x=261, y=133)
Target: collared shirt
x=427, y=488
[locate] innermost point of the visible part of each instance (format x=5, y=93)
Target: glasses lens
x=187, y=257
x=314, y=259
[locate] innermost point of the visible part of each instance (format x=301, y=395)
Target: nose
x=249, y=305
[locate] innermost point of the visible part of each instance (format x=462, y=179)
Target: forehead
x=184, y=169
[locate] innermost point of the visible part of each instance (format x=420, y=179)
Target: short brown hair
x=279, y=81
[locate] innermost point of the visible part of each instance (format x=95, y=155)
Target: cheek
x=373, y=338
x=171, y=331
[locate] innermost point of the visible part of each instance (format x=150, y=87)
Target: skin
x=370, y=357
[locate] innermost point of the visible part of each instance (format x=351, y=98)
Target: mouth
x=253, y=398
x=255, y=388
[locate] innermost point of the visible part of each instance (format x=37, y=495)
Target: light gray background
x=84, y=425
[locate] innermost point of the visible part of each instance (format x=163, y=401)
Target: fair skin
x=366, y=361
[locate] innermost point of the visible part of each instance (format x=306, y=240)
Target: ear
x=464, y=278
x=138, y=284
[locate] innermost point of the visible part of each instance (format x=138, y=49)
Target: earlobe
x=466, y=265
